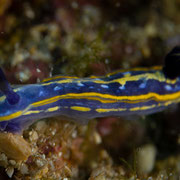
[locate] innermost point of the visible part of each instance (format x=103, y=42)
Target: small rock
x=24, y=169
x=14, y=146
x=3, y=160
x=146, y=158
x=12, y=162
x=41, y=126
x=33, y=136
x=10, y=171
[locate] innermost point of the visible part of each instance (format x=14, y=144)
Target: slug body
x=139, y=91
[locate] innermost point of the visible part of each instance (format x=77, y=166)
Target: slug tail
x=5, y=88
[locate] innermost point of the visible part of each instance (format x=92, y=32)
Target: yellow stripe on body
x=167, y=97
x=101, y=110
x=20, y=113
x=52, y=109
x=142, y=98
x=107, y=75
x=104, y=98
x=31, y=112
x=70, y=77
x=93, y=98
x=36, y=111
x=11, y=116
x=135, y=69
x=79, y=108
x=143, y=108
x=46, y=101
x=57, y=77
x=71, y=96
x=147, y=76
x=122, y=81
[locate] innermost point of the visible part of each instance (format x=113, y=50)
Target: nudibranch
x=138, y=91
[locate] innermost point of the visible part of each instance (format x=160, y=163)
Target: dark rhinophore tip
x=171, y=68
x=5, y=88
